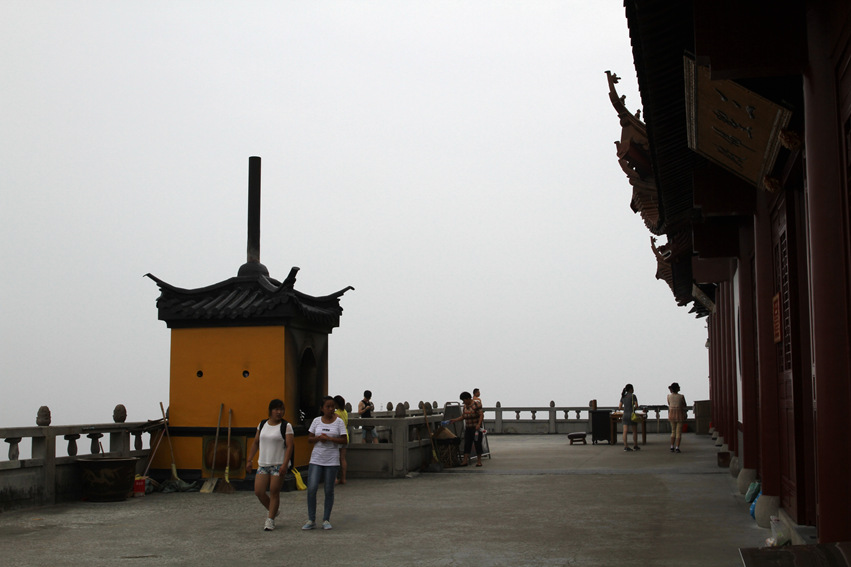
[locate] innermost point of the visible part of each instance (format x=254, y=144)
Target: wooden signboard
x=732, y=126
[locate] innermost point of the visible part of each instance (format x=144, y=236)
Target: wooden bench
x=577, y=437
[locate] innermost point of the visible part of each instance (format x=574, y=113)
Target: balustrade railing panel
x=30, y=465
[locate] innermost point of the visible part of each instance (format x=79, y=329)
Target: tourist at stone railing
x=473, y=417
x=629, y=405
x=365, y=409
x=676, y=415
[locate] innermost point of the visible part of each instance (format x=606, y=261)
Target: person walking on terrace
x=341, y=412
x=629, y=403
x=676, y=415
x=473, y=416
x=365, y=409
x=327, y=434
x=276, y=452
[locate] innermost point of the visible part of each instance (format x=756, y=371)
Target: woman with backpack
x=274, y=442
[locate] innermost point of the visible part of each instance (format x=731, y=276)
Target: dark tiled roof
x=662, y=34
x=246, y=300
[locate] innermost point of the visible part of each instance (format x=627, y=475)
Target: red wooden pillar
x=749, y=453
x=728, y=427
x=710, y=355
x=732, y=373
x=718, y=375
x=716, y=348
x=712, y=322
x=827, y=215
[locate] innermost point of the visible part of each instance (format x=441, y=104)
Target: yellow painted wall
x=223, y=355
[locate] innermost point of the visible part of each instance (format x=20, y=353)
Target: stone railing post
x=44, y=448
x=551, y=427
x=119, y=442
x=497, y=423
x=399, y=430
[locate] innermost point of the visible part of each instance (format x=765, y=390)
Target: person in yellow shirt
x=341, y=412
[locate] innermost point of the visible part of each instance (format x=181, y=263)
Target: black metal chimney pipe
x=253, y=209
x=252, y=266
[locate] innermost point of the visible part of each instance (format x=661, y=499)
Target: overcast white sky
x=453, y=161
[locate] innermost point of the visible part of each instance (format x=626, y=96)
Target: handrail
x=39, y=479
x=553, y=419
x=44, y=438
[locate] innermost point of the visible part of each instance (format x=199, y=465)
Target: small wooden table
x=615, y=426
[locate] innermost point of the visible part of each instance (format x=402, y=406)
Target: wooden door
x=784, y=296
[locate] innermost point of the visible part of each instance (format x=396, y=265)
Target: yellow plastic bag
x=299, y=483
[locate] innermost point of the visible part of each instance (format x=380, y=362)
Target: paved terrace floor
x=538, y=502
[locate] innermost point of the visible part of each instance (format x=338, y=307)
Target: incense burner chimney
x=252, y=266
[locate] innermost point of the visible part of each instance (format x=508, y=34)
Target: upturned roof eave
x=246, y=301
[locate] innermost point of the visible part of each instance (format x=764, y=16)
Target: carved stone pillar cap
x=119, y=414
x=42, y=418
x=400, y=410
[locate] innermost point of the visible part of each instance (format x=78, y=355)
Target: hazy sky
x=453, y=161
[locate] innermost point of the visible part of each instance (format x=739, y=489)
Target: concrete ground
x=537, y=502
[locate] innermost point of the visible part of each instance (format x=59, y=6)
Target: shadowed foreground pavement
x=538, y=502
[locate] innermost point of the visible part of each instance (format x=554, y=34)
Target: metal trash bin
x=600, y=426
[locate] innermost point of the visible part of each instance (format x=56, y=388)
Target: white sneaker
x=326, y=525
x=309, y=525
x=269, y=525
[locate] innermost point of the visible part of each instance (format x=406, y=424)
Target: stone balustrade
x=403, y=434
x=47, y=477
x=526, y=420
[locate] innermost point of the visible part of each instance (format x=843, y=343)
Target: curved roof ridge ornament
x=619, y=102
x=660, y=256
x=633, y=151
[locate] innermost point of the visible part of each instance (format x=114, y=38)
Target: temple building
x=741, y=163
x=236, y=345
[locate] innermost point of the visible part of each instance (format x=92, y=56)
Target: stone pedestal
x=735, y=467
x=766, y=506
x=745, y=479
